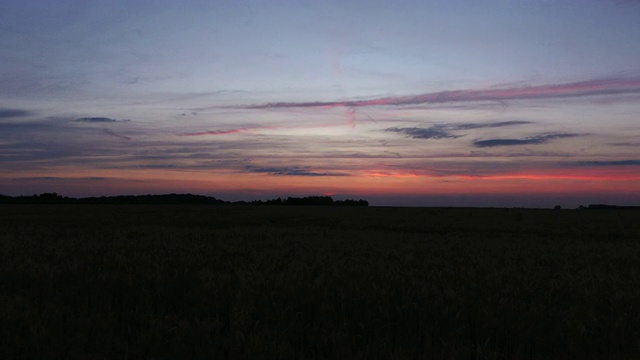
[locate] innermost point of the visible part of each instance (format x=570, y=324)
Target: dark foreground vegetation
x=55, y=198
x=291, y=282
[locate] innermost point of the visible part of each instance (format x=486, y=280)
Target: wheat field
x=323, y=282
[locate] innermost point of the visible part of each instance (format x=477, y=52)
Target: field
x=296, y=282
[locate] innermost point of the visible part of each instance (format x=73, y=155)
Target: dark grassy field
x=287, y=282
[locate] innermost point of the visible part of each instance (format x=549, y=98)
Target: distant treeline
x=308, y=200
x=611, y=207
x=54, y=198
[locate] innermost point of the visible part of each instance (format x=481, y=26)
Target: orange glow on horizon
x=594, y=180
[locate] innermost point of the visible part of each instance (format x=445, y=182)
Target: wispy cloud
x=349, y=121
x=434, y=132
x=109, y=132
x=607, y=163
x=467, y=126
x=230, y=131
x=532, y=140
x=291, y=171
x=99, y=120
x=10, y=113
x=625, y=144
x=444, y=131
x=62, y=179
x=613, y=86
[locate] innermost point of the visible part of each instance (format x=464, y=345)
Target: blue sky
x=411, y=102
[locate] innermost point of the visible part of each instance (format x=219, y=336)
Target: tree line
x=54, y=198
x=308, y=200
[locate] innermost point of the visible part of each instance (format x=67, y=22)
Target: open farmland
x=250, y=282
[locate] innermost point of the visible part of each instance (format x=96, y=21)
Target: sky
x=404, y=103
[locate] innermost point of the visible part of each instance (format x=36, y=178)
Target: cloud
x=612, y=86
x=98, y=120
x=291, y=171
x=18, y=127
x=109, y=132
x=226, y=132
x=533, y=140
x=57, y=178
x=625, y=144
x=443, y=131
x=607, y=163
x=158, y=166
x=467, y=126
x=350, y=121
x=9, y=113
x=434, y=132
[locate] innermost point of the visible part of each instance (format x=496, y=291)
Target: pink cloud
x=576, y=89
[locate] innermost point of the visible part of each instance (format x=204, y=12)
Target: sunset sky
x=419, y=103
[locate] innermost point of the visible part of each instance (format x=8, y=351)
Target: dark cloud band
x=10, y=113
x=433, y=132
x=444, y=131
x=98, y=120
x=534, y=140
x=291, y=171
x=607, y=163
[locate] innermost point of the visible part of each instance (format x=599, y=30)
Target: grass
x=289, y=282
